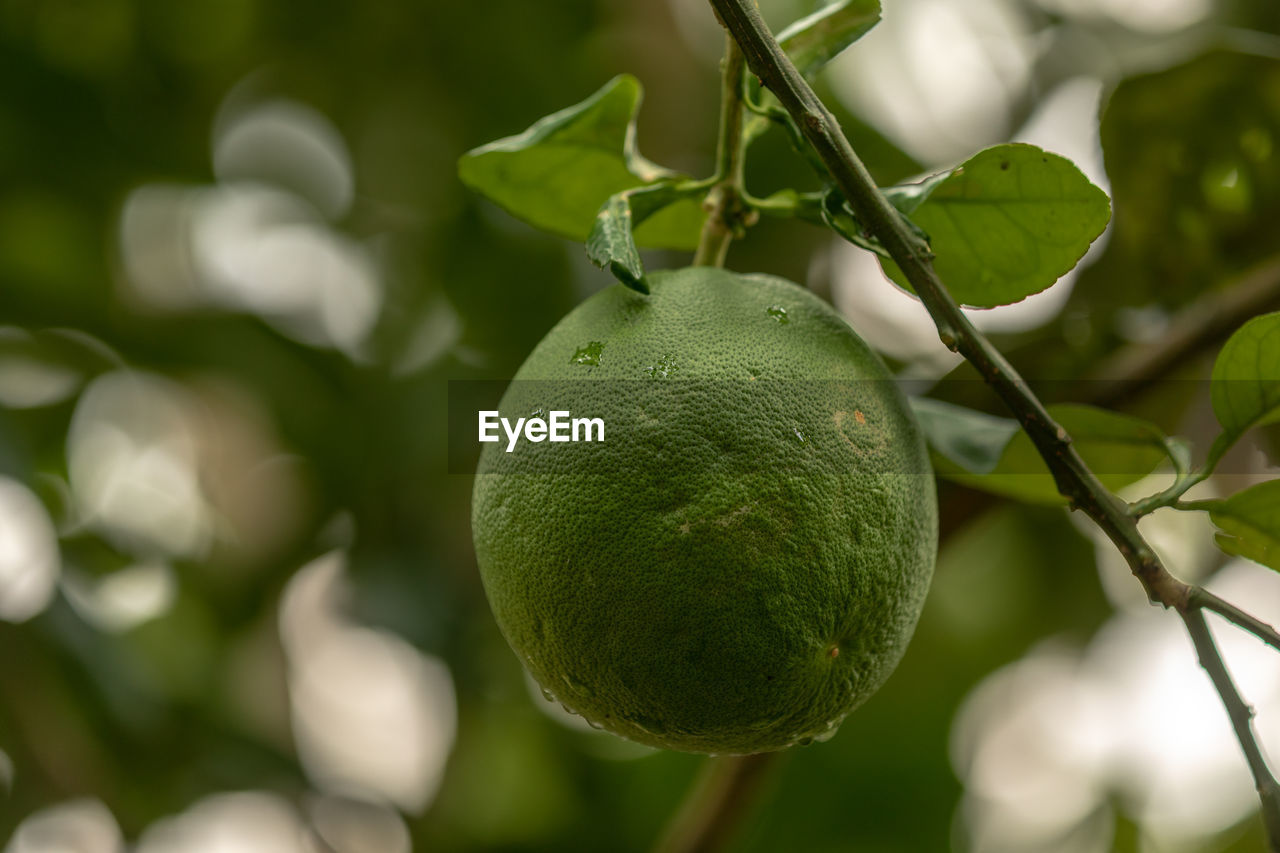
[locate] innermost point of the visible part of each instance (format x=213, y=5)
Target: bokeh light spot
x=29, y=557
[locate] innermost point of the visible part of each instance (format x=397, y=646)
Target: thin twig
x=1241, y=720
x=1196, y=327
x=1074, y=479
x=726, y=213
x=721, y=797
x=1206, y=600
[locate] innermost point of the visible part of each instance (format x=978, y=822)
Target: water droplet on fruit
x=804, y=741
x=593, y=723
x=548, y=695
x=578, y=685
x=537, y=413
x=588, y=355
x=800, y=436
x=664, y=368
x=826, y=736
x=649, y=726
x=778, y=313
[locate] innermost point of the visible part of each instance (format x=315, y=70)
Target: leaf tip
x=632, y=278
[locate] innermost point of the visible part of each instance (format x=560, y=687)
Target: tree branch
x=1206, y=321
x=1205, y=600
x=1074, y=479
x=1241, y=720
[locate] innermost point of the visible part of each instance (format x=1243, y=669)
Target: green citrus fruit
x=742, y=559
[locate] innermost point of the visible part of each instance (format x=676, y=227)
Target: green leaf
x=611, y=244
x=975, y=441
x=993, y=454
x=1246, y=380
x=815, y=40
x=1008, y=223
x=558, y=173
x=811, y=43
x=837, y=215
x=908, y=197
x=1250, y=523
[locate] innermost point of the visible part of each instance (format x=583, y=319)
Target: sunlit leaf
x=1246, y=379
x=811, y=43
x=815, y=40
x=1250, y=523
x=558, y=173
x=1008, y=223
x=993, y=454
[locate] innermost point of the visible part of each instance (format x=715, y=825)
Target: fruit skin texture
x=742, y=561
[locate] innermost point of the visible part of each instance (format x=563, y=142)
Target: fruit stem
x=724, y=792
x=727, y=212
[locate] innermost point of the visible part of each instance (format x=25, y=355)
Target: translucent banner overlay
x=682, y=418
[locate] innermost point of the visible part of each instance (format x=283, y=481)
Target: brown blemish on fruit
x=871, y=441
x=857, y=416
x=839, y=417
x=833, y=652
